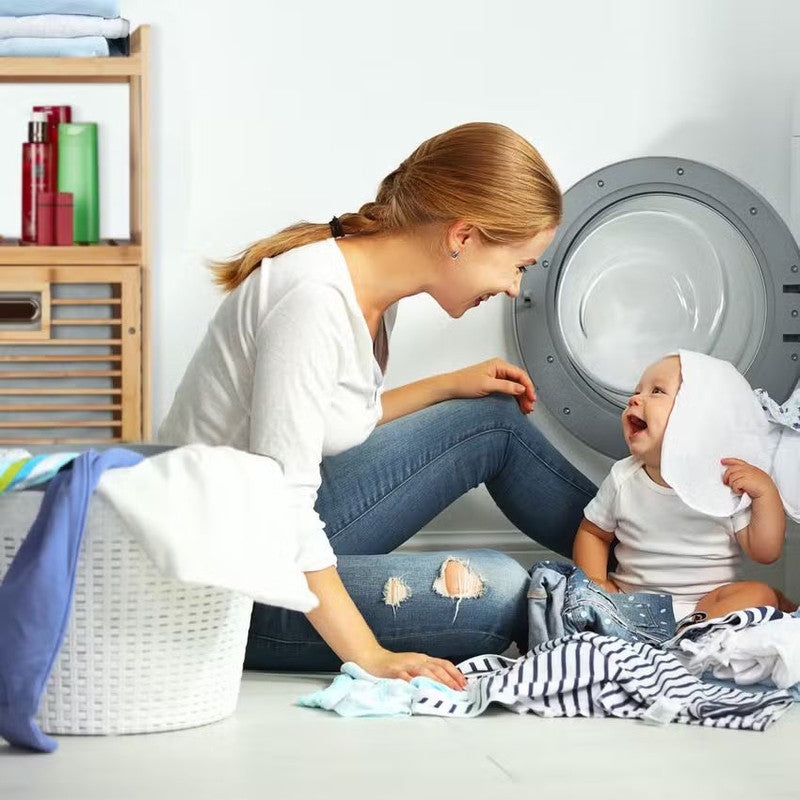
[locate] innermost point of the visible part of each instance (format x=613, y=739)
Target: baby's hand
x=744, y=477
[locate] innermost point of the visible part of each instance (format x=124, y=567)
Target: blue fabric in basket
x=36, y=594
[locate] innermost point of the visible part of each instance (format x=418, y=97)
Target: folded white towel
x=63, y=26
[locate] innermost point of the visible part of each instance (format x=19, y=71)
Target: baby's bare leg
x=736, y=596
x=784, y=603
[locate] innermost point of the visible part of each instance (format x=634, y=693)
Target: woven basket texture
x=141, y=652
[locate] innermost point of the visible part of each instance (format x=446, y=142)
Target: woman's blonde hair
x=482, y=173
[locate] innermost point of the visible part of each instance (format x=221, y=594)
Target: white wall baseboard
x=513, y=543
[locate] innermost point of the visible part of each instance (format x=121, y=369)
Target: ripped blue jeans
x=562, y=600
x=376, y=496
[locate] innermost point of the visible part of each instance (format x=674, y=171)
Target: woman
x=292, y=368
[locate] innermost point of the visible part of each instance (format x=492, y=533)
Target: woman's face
x=483, y=270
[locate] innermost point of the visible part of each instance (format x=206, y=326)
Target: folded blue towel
x=36, y=47
x=27, y=8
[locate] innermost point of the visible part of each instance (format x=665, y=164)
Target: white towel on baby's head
x=718, y=415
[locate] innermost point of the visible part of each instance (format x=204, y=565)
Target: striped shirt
x=591, y=675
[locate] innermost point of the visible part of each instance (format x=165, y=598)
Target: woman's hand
x=609, y=586
x=744, y=477
x=494, y=375
x=386, y=664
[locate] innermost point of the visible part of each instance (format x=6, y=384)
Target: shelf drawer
x=70, y=355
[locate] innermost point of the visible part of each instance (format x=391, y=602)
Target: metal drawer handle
x=17, y=309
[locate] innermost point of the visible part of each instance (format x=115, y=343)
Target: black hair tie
x=336, y=228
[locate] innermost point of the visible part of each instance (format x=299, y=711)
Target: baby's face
x=645, y=418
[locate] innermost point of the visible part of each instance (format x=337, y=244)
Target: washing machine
x=655, y=254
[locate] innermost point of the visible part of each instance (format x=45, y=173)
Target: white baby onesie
x=664, y=545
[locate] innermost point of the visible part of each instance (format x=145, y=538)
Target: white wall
x=272, y=112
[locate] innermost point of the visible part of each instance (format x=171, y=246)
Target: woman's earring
x=454, y=255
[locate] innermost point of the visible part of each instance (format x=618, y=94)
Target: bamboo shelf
x=73, y=70
x=103, y=254
x=79, y=371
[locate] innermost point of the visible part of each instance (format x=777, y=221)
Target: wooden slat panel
x=85, y=301
x=131, y=358
x=56, y=359
x=27, y=392
x=80, y=373
x=66, y=342
x=118, y=358
x=141, y=214
x=79, y=322
x=67, y=407
x=47, y=423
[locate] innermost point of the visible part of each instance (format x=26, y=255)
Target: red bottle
x=37, y=173
x=46, y=219
x=63, y=218
x=55, y=115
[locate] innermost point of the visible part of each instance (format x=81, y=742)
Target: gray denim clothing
x=562, y=601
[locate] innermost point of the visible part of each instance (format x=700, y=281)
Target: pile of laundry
x=593, y=654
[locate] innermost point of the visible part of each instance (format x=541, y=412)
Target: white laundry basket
x=141, y=652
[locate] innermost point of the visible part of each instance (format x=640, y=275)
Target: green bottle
x=77, y=173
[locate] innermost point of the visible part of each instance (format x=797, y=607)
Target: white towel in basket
x=215, y=516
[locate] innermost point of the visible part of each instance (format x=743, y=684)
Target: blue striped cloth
x=20, y=470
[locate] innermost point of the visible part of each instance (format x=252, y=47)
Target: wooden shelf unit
x=90, y=340
x=108, y=252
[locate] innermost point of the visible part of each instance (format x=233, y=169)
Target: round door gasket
x=579, y=405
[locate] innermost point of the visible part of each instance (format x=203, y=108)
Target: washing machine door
x=656, y=254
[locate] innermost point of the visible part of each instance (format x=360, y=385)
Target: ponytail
x=480, y=172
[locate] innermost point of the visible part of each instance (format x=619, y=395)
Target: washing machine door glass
x=651, y=273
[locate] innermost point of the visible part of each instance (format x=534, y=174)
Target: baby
x=662, y=544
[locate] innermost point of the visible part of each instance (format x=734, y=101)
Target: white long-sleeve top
x=286, y=370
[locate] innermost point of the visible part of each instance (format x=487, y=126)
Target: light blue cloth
x=356, y=693
x=63, y=26
x=36, y=594
x=42, y=47
x=29, y=8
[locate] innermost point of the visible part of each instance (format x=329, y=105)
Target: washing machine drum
x=656, y=254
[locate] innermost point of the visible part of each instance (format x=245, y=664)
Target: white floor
x=273, y=749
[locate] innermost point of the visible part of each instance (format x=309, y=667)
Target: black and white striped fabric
x=590, y=675
x=736, y=620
